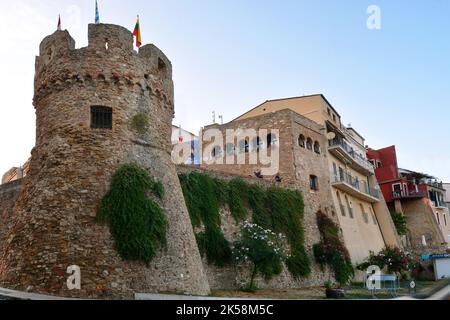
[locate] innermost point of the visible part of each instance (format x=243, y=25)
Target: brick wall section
x=71, y=168
x=235, y=278
x=8, y=196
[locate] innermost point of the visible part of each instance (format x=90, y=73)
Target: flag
x=137, y=33
x=180, y=135
x=59, y=23
x=97, y=15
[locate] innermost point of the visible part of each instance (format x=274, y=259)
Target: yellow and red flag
x=137, y=33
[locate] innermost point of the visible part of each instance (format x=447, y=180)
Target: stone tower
x=85, y=101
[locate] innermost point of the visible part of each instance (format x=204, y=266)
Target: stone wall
x=233, y=278
x=54, y=223
x=420, y=221
x=8, y=196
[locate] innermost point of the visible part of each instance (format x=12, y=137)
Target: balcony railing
x=409, y=194
x=358, y=159
x=355, y=184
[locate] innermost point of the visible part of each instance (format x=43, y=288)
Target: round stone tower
x=86, y=101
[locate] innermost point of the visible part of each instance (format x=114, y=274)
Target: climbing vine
x=277, y=209
x=399, y=220
x=332, y=251
x=137, y=222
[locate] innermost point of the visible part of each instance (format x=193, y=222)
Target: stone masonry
x=296, y=165
x=237, y=277
x=54, y=225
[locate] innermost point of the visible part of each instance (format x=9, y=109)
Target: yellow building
x=363, y=214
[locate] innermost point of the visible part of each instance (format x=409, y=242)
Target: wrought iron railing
x=355, y=183
x=351, y=152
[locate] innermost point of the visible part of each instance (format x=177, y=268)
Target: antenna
x=221, y=119
x=214, y=116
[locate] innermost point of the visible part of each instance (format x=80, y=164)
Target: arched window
x=230, y=149
x=309, y=144
x=374, y=218
x=317, y=147
x=243, y=146
x=256, y=144
x=364, y=214
x=216, y=152
x=341, y=206
x=302, y=141
x=349, y=206
x=271, y=139
x=313, y=183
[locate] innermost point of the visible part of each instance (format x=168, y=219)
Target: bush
x=393, y=258
x=332, y=251
x=400, y=223
x=138, y=224
x=263, y=248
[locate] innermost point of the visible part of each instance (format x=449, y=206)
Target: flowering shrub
x=332, y=251
x=263, y=248
x=394, y=259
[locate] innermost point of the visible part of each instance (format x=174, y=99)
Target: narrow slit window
x=101, y=117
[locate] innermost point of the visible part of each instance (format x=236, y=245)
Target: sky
x=231, y=55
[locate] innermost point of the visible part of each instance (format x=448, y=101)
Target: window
x=313, y=183
x=230, y=149
x=101, y=117
x=317, y=147
x=379, y=164
x=271, y=140
x=372, y=162
x=374, y=218
x=309, y=144
x=364, y=214
x=256, y=144
x=302, y=141
x=329, y=112
x=216, y=152
x=438, y=218
x=445, y=219
x=334, y=117
x=243, y=146
x=341, y=206
x=349, y=206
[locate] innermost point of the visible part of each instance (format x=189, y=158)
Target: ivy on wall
x=138, y=224
x=277, y=209
x=399, y=220
x=332, y=251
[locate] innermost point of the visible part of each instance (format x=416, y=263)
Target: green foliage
x=400, y=223
x=277, y=209
x=204, y=197
x=393, y=258
x=138, y=224
x=140, y=123
x=262, y=247
x=332, y=251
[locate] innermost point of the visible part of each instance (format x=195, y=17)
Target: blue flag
x=97, y=15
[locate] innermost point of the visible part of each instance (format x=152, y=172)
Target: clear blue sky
x=229, y=56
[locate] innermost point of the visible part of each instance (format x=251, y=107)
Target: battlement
x=108, y=58
x=106, y=39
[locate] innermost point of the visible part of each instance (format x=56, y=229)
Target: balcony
x=341, y=150
x=348, y=184
x=402, y=195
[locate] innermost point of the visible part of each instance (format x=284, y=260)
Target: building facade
x=325, y=160
x=420, y=197
x=184, y=139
